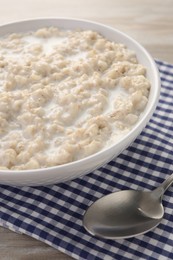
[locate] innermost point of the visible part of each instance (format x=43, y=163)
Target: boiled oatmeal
x=64, y=95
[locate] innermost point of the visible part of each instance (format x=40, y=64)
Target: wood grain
x=149, y=22
x=15, y=246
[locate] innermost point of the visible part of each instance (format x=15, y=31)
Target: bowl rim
x=149, y=110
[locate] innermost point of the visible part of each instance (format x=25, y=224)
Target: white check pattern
x=54, y=214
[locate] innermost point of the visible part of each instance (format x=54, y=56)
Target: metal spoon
x=127, y=213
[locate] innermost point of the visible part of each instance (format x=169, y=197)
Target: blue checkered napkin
x=54, y=214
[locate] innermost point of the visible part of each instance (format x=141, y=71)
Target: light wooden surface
x=149, y=22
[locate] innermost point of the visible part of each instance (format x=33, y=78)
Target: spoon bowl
x=127, y=213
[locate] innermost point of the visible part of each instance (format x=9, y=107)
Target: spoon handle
x=158, y=192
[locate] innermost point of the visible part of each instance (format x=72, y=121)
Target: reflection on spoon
x=126, y=213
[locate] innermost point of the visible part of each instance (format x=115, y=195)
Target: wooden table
x=149, y=22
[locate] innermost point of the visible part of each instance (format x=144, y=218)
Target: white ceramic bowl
x=78, y=168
